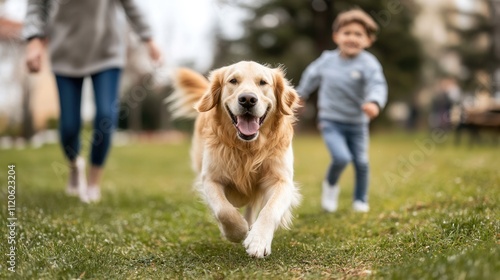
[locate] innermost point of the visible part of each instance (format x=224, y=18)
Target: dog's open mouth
x=247, y=125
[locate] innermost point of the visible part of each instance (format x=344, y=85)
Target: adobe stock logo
x=407, y=164
x=384, y=17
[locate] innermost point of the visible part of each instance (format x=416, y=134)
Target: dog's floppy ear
x=212, y=96
x=286, y=96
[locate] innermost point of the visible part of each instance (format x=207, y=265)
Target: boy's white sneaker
x=330, y=197
x=360, y=206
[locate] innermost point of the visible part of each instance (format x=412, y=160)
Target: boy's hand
x=371, y=110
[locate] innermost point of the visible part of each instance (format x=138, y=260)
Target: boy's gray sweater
x=344, y=85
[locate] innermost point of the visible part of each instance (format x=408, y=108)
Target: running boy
x=352, y=91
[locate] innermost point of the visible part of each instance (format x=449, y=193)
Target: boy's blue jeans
x=346, y=143
x=105, y=84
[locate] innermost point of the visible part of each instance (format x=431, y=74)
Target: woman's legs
x=105, y=85
x=70, y=97
x=106, y=100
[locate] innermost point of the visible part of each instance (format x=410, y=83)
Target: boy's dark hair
x=358, y=16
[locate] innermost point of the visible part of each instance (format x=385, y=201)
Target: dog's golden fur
x=242, y=147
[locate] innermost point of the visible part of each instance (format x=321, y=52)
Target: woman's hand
x=154, y=52
x=34, y=54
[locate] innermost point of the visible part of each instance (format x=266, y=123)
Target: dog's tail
x=189, y=86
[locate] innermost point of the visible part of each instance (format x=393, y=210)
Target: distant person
x=447, y=96
x=85, y=38
x=352, y=91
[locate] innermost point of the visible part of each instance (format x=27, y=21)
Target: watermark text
x=11, y=218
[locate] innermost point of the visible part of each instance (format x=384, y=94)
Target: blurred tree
x=494, y=6
x=475, y=46
x=295, y=32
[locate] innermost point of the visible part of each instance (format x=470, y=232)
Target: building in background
x=27, y=102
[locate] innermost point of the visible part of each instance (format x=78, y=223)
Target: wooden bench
x=474, y=121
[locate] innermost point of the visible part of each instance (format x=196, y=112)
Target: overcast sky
x=186, y=28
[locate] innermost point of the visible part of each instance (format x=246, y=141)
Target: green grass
x=434, y=215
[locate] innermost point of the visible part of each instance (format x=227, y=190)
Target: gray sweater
x=344, y=85
x=85, y=36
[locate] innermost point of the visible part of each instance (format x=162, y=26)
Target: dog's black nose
x=248, y=100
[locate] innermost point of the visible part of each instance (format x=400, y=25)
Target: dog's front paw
x=232, y=225
x=258, y=243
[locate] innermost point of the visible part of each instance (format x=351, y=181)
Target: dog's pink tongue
x=248, y=125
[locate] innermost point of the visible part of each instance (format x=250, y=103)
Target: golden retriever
x=242, y=148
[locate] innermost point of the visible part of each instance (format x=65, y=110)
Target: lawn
x=434, y=215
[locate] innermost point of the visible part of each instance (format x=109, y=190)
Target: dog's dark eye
x=233, y=81
x=262, y=83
